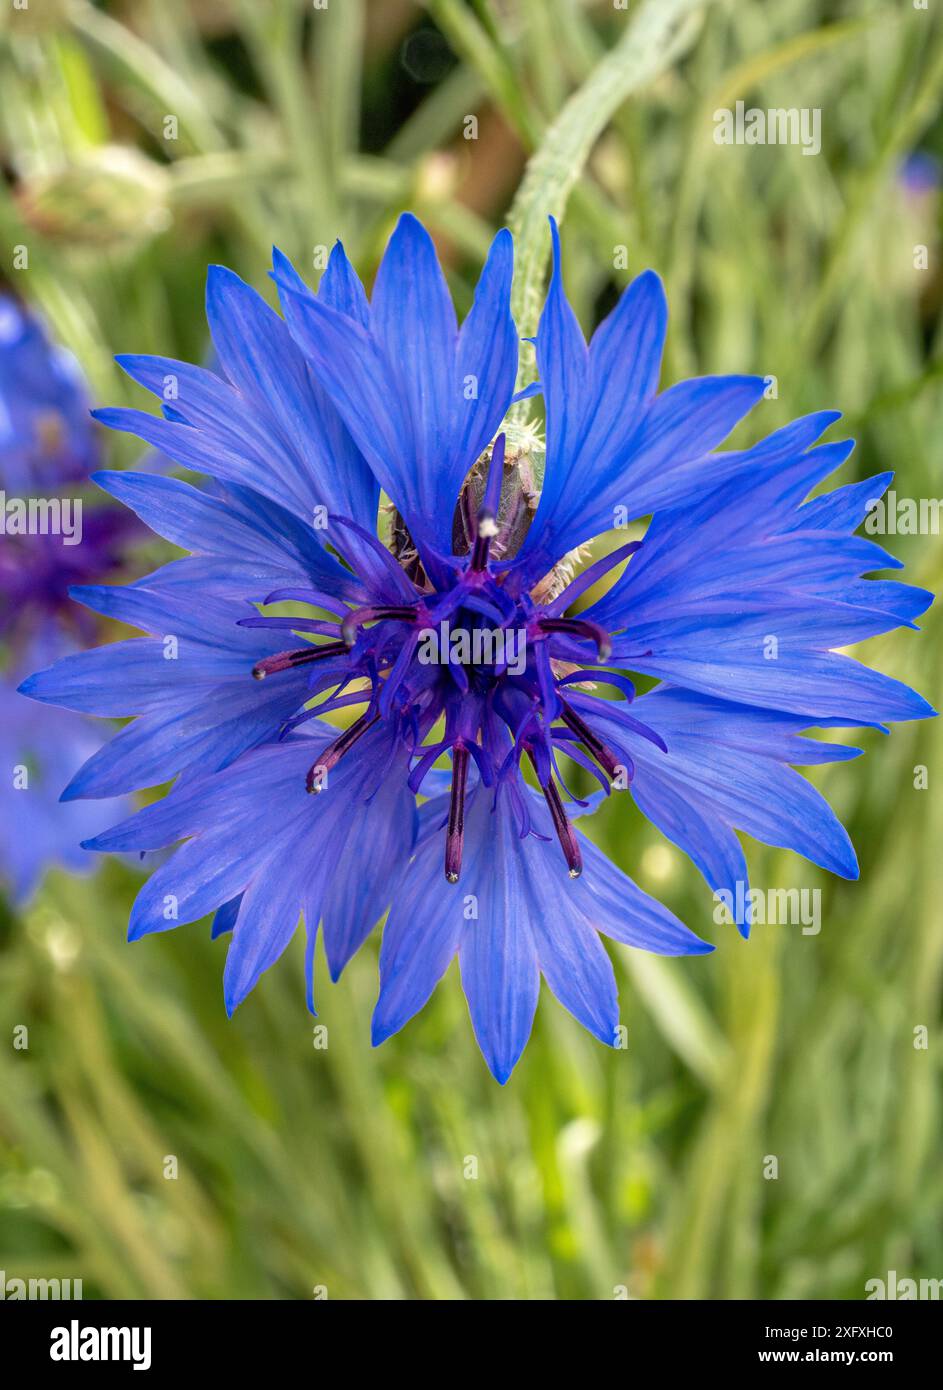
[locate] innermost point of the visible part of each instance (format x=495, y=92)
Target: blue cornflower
x=47, y=443
x=315, y=413
x=46, y=436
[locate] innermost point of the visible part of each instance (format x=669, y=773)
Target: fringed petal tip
x=76, y=791
x=381, y=1031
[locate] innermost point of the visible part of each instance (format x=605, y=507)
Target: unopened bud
x=113, y=197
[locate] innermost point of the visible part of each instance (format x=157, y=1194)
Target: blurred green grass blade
x=908, y=117
x=214, y=179
x=700, y=150
x=542, y=39
x=336, y=46
x=471, y=38
x=680, y=1014
x=136, y=65
x=86, y=110
x=727, y=1151
x=644, y=50
x=274, y=40
x=438, y=117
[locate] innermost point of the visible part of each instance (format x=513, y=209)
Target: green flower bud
x=114, y=197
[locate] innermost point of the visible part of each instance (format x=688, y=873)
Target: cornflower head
x=459, y=637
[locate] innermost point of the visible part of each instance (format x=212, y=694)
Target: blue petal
x=259, y=355
x=380, y=834
x=772, y=571
x=515, y=912
x=499, y=966
x=198, y=708
x=105, y=681
x=341, y=289
x=421, y=398
x=247, y=532
x=231, y=853
x=421, y=935
x=414, y=327
x=626, y=347
x=611, y=442
x=577, y=969
x=621, y=910
x=715, y=778
x=225, y=918
x=266, y=922
x=487, y=357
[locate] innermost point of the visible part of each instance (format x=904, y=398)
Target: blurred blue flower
x=48, y=446
x=48, y=442
x=921, y=172
x=313, y=415
x=38, y=573
x=40, y=749
x=47, y=437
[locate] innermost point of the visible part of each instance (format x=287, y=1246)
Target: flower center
x=472, y=667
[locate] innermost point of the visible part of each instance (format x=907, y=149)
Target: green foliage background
x=641, y=1169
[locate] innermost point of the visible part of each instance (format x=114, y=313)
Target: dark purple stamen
x=592, y=742
x=485, y=532
x=336, y=750
x=455, y=835
x=373, y=613
x=565, y=832
x=580, y=628
x=286, y=661
x=487, y=524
